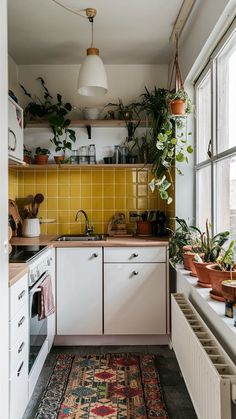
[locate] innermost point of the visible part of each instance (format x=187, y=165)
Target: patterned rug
x=110, y=386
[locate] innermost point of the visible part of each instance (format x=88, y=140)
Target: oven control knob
x=32, y=277
x=38, y=272
x=49, y=262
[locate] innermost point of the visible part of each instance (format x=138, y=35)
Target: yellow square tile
x=72, y=215
x=108, y=176
x=142, y=190
x=131, y=203
x=52, y=177
x=63, y=177
x=75, y=190
x=142, y=203
x=40, y=178
x=86, y=190
x=63, y=228
x=120, y=176
x=86, y=177
x=98, y=228
x=131, y=190
x=41, y=189
x=53, y=229
x=97, y=176
x=142, y=176
x=43, y=229
x=97, y=217
x=52, y=214
x=75, y=204
x=86, y=203
x=52, y=191
x=42, y=213
x=131, y=176
x=52, y=204
x=21, y=191
x=63, y=204
x=63, y=217
x=29, y=190
x=120, y=204
x=29, y=177
x=150, y=176
x=74, y=177
x=97, y=190
x=120, y=189
x=75, y=228
x=109, y=190
x=96, y=203
x=108, y=203
x=107, y=215
x=63, y=191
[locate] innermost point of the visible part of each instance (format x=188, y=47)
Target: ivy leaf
x=173, y=141
x=189, y=149
x=164, y=194
x=159, y=145
x=180, y=157
x=169, y=200
x=179, y=171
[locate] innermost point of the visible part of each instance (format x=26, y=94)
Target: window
x=216, y=138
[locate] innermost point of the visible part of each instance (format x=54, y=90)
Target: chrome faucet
x=88, y=229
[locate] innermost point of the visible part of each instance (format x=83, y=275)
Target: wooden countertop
x=16, y=271
x=109, y=242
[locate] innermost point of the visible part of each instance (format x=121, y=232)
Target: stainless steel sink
x=80, y=237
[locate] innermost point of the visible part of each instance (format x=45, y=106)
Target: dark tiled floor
x=178, y=402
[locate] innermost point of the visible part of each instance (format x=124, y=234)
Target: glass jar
x=124, y=152
x=74, y=158
x=83, y=155
x=92, y=153
x=117, y=155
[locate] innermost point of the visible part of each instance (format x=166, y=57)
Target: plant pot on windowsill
x=41, y=159
x=203, y=274
x=216, y=278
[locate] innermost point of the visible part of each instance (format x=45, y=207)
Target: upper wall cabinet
x=15, y=131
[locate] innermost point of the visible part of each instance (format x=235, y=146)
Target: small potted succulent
x=41, y=155
x=223, y=269
x=180, y=102
x=27, y=155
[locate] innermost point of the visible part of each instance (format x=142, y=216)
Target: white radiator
x=209, y=373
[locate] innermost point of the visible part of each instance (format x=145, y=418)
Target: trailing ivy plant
x=55, y=113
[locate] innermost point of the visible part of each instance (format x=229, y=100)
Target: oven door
x=38, y=328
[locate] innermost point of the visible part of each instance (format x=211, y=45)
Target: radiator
x=209, y=373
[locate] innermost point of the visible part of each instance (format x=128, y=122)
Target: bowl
x=91, y=113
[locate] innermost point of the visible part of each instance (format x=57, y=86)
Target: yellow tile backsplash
x=99, y=191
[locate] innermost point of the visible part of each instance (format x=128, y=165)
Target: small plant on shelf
x=41, y=155
x=27, y=155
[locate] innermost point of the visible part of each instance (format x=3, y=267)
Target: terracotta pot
x=203, y=274
x=41, y=159
x=177, y=107
x=27, y=159
x=185, y=249
x=144, y=228
x=216, y=277
x=188, y=264
x=229, y=290
x=58, y=159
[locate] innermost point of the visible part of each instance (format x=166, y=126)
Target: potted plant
x=41, y=155
x=179, y=101
x=27, y=155
x=223, y=269
x=210, y=248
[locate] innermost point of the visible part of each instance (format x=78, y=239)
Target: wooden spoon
x=38, y=199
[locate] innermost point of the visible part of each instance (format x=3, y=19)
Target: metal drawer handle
x=135, y=272
x=19, y=370
x=95, y=255
x=21, y=347
x=21, y=295
x=15, y=141
x=134, y=255
x=21, y=321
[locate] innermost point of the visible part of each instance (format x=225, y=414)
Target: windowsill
x=212, y=311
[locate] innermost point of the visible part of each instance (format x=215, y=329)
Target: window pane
x=203, y=118
x=203, y=196
x=226, y=82
x=225, y=186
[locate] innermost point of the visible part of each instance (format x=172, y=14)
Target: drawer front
x=19, y=325
x=18, y=295
x=19, y=350
x=135, y=254
x=19, y=389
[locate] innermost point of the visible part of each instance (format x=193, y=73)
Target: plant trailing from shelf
x=56, y=114
x=27, y=155
x=41, y=155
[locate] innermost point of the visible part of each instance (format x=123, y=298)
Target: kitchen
x=100, y=191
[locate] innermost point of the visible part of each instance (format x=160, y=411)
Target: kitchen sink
x=80, y=237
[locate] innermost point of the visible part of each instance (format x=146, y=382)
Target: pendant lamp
x=92, y=80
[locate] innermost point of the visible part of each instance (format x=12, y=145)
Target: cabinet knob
x=95, y=255
x=134, y=255
x=135, y=272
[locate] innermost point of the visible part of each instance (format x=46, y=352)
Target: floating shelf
x=106, y=123
x=80, y=166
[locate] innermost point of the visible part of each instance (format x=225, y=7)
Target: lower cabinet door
x=134, y=298
x=79, y=291
x=19, y=389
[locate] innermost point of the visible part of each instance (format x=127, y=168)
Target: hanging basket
x=177, y=107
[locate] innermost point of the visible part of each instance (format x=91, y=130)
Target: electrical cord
x=70, y=10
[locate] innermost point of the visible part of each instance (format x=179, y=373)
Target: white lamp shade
x=92, y=79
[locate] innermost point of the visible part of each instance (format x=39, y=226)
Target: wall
x=99, y=191
x=13, y=76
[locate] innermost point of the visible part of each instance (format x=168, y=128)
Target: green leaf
x=179, y=171
x=190, y=149
x=164, y=195
x=173, y=141
x=180, y=157
x=169, y=200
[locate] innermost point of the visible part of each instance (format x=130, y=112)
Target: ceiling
x=126, y=31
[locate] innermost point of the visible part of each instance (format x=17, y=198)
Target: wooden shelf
x=106, y=123
x=80, y=166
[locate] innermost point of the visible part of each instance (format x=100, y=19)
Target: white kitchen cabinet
x=15, y=131
x=135, y=294
x=19, y=347
x=79, y=291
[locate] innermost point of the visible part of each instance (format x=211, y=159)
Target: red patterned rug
x=110, y=386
